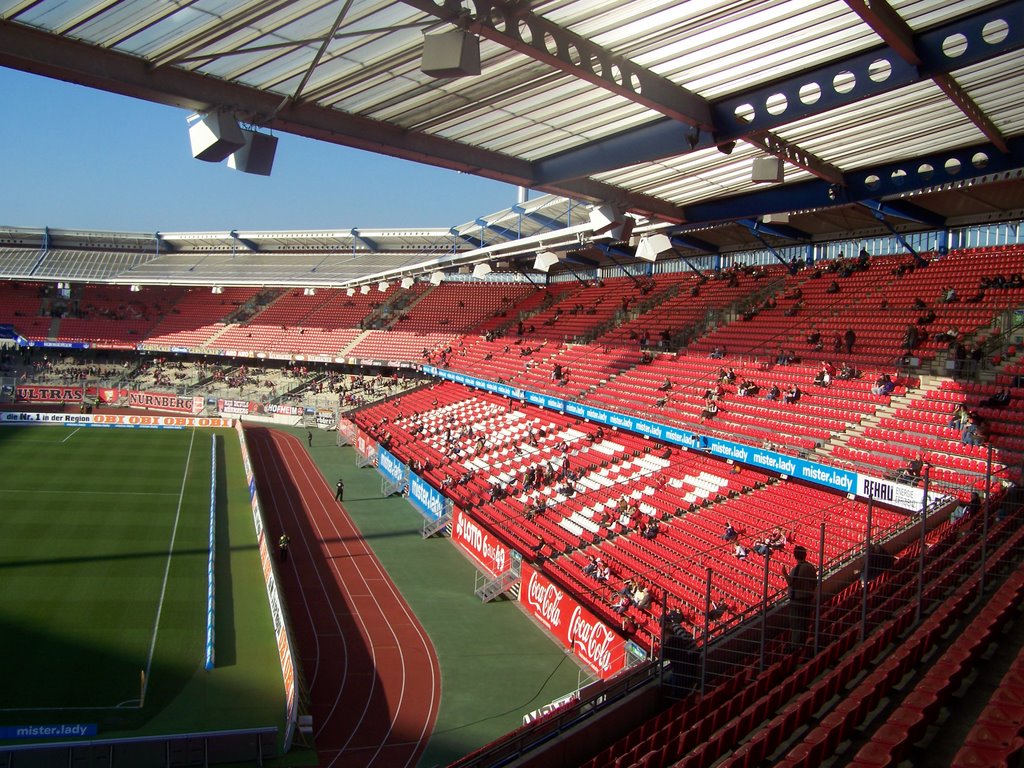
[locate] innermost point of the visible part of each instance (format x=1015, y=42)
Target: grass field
x=103, y=561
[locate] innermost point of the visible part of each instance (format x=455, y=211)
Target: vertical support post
x=866, y=573
x=920, y=561
x=821, y=581
x=764, y=610
x=984, y=521
x=707, y=632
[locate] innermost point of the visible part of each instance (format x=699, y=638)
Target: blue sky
x=74, y=157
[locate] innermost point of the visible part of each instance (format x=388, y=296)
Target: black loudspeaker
x=451, y=54
x=256, y=155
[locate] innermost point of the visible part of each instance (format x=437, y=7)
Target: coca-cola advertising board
x=493, y=556
x=589, y=638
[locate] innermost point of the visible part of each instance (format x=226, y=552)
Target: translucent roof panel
x=619, y=100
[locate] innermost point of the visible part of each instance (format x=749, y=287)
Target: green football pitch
x=103, y=583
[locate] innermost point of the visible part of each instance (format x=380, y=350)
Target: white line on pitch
x=77, y=429
x=167, y=568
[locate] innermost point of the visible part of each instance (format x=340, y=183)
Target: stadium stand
x=564, y=494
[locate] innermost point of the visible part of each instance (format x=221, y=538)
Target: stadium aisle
x=496, y=665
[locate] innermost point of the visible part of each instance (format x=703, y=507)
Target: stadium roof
x=903, y=113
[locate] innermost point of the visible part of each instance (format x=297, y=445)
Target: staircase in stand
x=498, y=586
x=439, y=526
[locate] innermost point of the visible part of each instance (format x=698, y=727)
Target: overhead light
x=214, y=136
x=451, y=54
x=256, y=155
x=767, y=170
x=408, y=282
x=216, y=289
x=364, y=289
x=607, y=219
x=502, y=264
x=436, y=278
x=465, y=270
x=135, y=288
x=482, y=269
x=309, y=291
x=651, y=245
x=545, y=260
x=350, y=291
x=383, y=285
x=775, y=218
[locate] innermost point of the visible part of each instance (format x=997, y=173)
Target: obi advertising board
x=595, y=643
x=493, y=556
x=23, y=418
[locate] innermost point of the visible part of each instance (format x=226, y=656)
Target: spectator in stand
x=777, y=539
x=975, y=431
x=884, y=385
x=959, y=418
x=802, y=580
x=740, y=552
x=710, y=409
x=730, y=533
x=849, y=338
x=642, y=596
x=651, y=529
x=717, y=353
x=792, y=395
x=846, y=373
x=823, y=377
x=773, y=392
x=911, y=473
x=1000, y=399
x=911, y=338
x=761, y=547
x=590, y=569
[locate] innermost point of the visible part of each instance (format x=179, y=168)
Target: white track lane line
x=424, y=640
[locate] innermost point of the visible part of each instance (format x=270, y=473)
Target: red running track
x=369, y=668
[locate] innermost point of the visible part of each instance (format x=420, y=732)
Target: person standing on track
x=282, y=547
x=339, y=495
x=309, y=438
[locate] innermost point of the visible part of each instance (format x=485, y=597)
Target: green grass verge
x=496, y=664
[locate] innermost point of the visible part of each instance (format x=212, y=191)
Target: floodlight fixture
x=455, y=53
x=216, y=289
x=309, y=291
x=350, y=291
x=545, y=260
x=482, y=269
x=383, y=285
x=650, y=246
x=767, y=170
x=408, y=282
x=214, y=136
x=256, y=155
x=135, y=288
x=607, y=219
x=364, y=289
x=436, y=278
